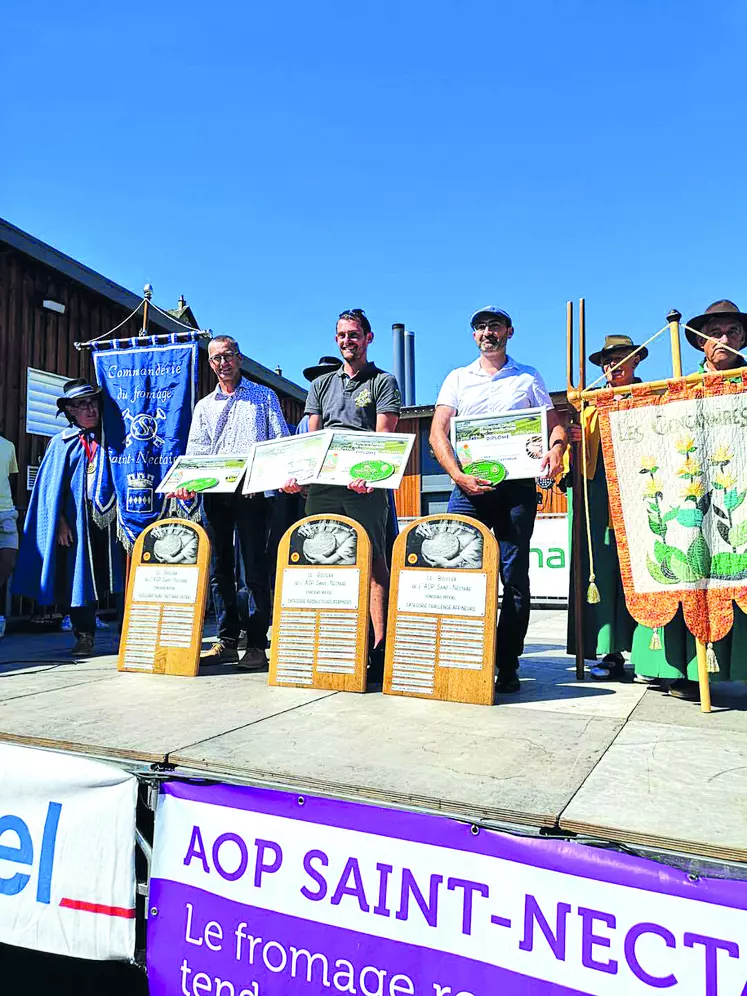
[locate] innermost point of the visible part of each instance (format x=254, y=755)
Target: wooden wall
x=31, y=336
x=407, y=498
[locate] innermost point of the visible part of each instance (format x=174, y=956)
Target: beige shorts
x=8, y=530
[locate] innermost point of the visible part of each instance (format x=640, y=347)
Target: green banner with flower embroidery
x=677, y=470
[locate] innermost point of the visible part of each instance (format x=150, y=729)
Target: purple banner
x=257, y=893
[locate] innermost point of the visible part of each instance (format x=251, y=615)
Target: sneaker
x=83, y=646
x=219, y=653
x=66, y=625
x=2, y=627
x=100, y=624
x=646, y=679
x=683, y=688
x=255, y=660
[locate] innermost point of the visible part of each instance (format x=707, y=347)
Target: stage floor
x=616, y=761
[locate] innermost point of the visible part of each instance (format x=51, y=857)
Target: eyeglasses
x=228, y=357
x=78, y=406
x=489, y=326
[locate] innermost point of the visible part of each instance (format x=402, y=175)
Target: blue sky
x=278, y=163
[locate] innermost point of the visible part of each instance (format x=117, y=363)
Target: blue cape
x=46, y=571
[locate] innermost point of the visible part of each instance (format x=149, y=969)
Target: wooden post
x=579, y=510
x=703, y=679
x=673, y=318
x=674, y=331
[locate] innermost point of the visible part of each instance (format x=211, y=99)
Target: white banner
x=549, y=560
x=67, y=861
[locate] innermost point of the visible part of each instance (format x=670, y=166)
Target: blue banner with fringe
x=149, y=388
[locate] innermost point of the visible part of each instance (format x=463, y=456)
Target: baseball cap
x=491, y=310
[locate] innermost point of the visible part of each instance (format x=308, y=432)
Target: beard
x=493, y=343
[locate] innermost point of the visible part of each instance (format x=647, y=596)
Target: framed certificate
x=378, y=458
x=274, y=461
x=507, y=446
x=205, y=474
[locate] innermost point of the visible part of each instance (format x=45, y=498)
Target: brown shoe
x=83, y=646
x=219, y=653
x=255, y=660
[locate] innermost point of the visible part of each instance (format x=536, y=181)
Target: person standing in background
x=8, y=517
x=69, y=555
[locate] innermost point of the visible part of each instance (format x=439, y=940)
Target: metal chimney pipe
x=398, y=345
x=409, y=367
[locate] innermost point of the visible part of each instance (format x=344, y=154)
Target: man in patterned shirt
x=235, y=415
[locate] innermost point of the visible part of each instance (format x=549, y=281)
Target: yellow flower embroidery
x=725, y=481
x=694, y=489
x=648, y=463
x=653, y=488
x=721, y=455
x=690, y=468
x=685, y=445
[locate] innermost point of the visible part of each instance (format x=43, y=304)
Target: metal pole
x=398, y=345
x=409, y=367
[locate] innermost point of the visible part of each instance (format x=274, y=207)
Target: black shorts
x=371, y=511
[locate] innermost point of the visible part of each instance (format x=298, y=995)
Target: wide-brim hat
x=713, y=311
x=326, y=364
x=74, y=390
x=615, y=344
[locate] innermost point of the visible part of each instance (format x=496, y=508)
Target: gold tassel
x=592, y=593
x=655, y=643
x=711, y=660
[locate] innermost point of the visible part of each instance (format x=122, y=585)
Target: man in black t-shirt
x=357, y=396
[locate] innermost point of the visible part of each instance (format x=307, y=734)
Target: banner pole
x=147, y=295
x=674, y=331
x=578, y=524
x=673, y=318
x=703, y=680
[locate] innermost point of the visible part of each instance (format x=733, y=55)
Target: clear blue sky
x=279, y=162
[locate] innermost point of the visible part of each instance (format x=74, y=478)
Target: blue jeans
x=509, y=510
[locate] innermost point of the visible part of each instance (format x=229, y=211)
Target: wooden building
x=425, y=487
x=48, y=302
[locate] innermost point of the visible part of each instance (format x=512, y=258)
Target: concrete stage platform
x=613, y=761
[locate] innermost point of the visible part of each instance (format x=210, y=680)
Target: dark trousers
x=510, y=511
x=83, y=618
x=225, y=514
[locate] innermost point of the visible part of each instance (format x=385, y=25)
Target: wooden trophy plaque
x=320, y=621
x=443, y=604
x=166, y=596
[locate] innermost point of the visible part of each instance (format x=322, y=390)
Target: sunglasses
x=489, y=326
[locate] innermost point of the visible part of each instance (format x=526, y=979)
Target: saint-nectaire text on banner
x=261, y=893
x=148, y=394
x=67, y=854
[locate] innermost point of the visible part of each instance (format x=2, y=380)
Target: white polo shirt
x=471, y=390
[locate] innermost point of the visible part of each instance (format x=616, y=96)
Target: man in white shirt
x=8, y=517
x=495, y=383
